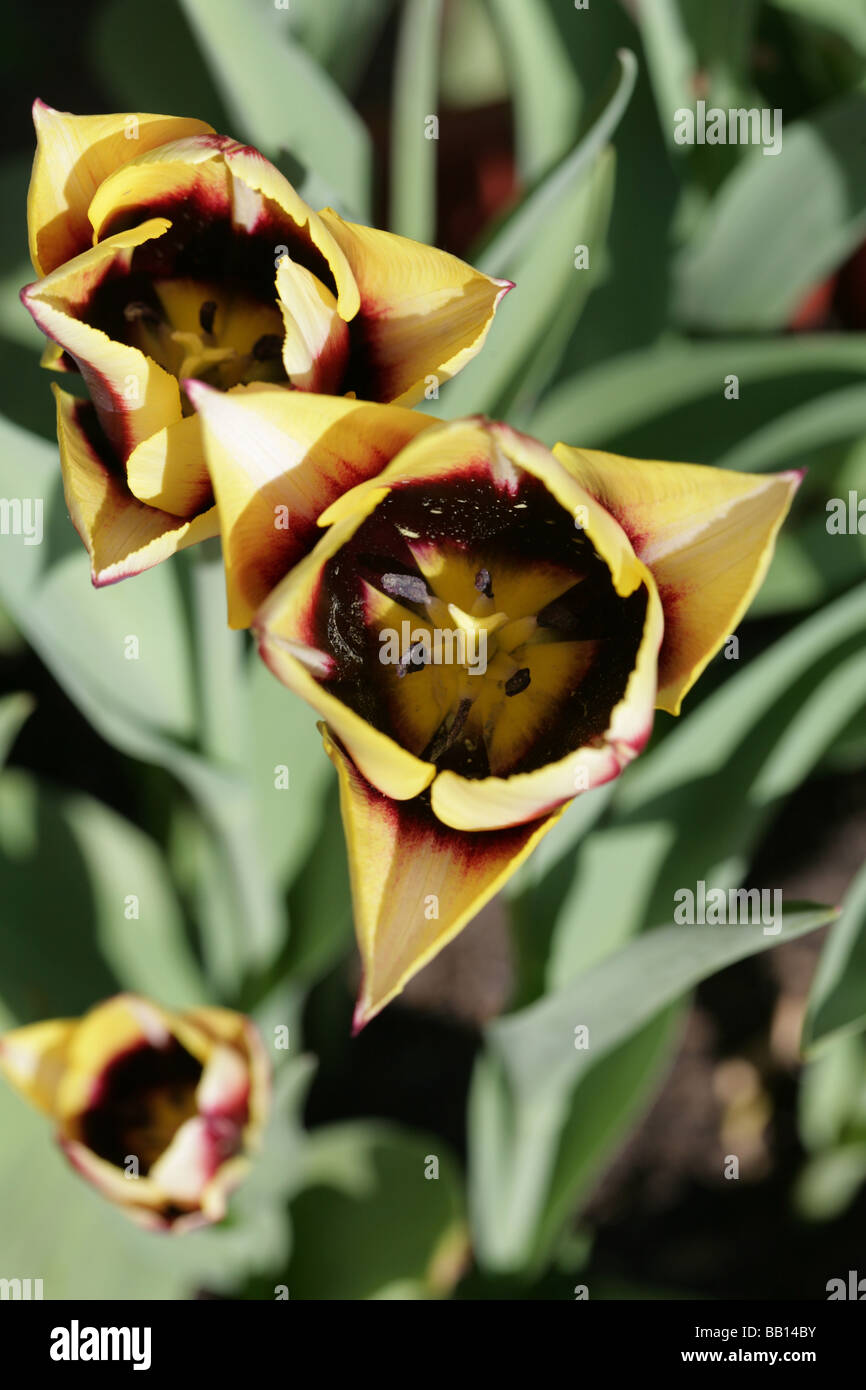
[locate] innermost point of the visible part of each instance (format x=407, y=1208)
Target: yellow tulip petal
x=123, y=536
x=183, y=1171
x=33, y=1059
x=277, y=458
x=226, y=1026
x=415, y=883
x=227, y=180
x=286, y=644
x=74, y=155
x=706, y=533
x=248, y=165
x=105, y=1033
x=140, y=1197
x=54, y=359
x=463, y=446
x=316, y=341
x=133, y=396
x=190, y=168
x=491, y=802
x=422, y=312
x=169, y=470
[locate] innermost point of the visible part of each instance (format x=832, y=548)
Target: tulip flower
x=159, y=1110
x=166, y=251
x=596, y=587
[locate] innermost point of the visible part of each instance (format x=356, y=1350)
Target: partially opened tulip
x=159, y=1110
x=486, y=628
x=166, y=251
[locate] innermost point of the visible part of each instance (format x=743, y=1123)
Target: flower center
x=144, y=1098
x=478, y=629
x=195, y=329
x=479, y=674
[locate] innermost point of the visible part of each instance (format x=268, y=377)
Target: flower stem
x=220, y=655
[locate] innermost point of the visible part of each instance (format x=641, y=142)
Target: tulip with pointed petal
x=166, y=251
x=599, y=586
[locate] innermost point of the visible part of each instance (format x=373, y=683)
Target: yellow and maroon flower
x=159, y=1110
x=595, y=588
x=166, y=251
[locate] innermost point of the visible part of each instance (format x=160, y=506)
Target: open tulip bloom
x=159, y=1110
x=166, y=251
x=485, y=626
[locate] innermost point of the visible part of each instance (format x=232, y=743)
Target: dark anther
x=413, y=661
x=137, y=309
x=447, y=734
x=408, y=586
x=207, y=314
x=518, y=682
x=268, y=347
x=484, y=584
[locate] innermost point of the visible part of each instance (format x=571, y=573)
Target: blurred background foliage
x=556, y=1167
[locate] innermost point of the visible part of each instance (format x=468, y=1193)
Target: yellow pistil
x=201, y=330
x=503, y=675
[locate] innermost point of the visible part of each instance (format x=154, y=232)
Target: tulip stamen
x=413, y=661
x=517, y=683
x=267, y=348
x=405, y=586
x=448, y=733
x=206, y=316
x=136, y=310
x=198, y=359
x=483, y=583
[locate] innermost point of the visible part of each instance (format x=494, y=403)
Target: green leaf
x=520, y=230
x=370, y=1223
x=624, y=991
x=413, y=151
x=607, y=1100
x=81, y=873
x=284, y=736
x=340, y=36
x=154, y=66
x=472, y=68
x=280, y=99
x=723, y=39
x=320, y=901
x=15, y=710
x=837, y=1002
x=544, y=86
x=671, y=60
x=847, y=18
x=678, y=815
x=832, y=1087
x=536, y=249
x=829, y=1182
x=808, y=568
x=84, y=634
x=641, y=388
x=534, y=1061
x=835, y=416
x=148, y=706
x=779, y=224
